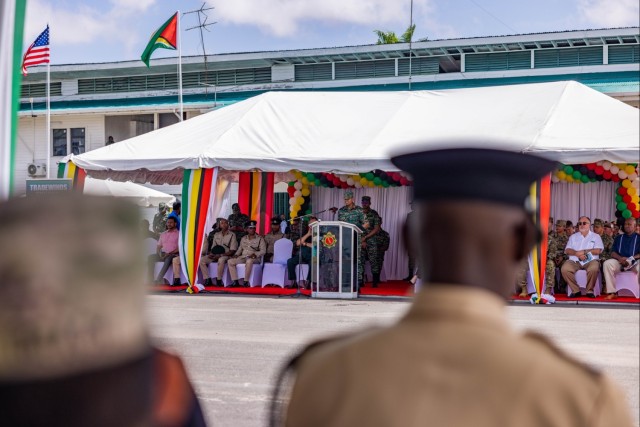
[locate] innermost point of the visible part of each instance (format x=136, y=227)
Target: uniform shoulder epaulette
x=541, y=339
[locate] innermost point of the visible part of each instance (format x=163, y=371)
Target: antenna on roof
x=202, y=24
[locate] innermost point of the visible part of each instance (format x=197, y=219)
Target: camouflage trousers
x=374, y=255
x=549, y=279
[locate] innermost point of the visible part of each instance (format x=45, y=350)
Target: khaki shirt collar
x=457, y=302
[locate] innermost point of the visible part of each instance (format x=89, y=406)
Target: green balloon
x=593, y=180
x=291, y=183
x=622, y=206
x=317, y=182
x=576, y=174
x=568, y=169
x=584, y=178
x=385, y=184
x=626, y=213
x=618, y=198
x=377, y=180
x=308, y=211
x=362, y=175
x=369, y=176
x=310, y=176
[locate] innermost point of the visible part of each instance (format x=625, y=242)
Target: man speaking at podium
x=453, y=359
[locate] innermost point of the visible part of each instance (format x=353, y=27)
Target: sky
x=93, y=31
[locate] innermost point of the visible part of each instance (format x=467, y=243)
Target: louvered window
x=312, y=72
x=37, y=90
x=498, y=61
x=365, y=69
x=624, y=54
x=419, y=66
x=568, y=57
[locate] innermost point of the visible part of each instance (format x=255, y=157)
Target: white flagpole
x=49, y=112
x=180, y=68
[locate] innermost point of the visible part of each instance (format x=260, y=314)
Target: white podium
x=335, y=253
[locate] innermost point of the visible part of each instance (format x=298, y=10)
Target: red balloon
x=291, y=190
x=599, y=170
x=591, y=166
x=616, y=178
x=606, y=175
x=635, y=214
x=622, y=191
x=631, y=206
x=626, y=198
x=404, y=181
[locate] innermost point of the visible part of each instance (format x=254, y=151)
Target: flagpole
x=49, y=117
x=180, y=68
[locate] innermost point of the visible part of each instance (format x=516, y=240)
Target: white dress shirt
x=578, y=242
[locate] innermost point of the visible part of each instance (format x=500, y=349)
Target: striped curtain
x=540, y=198
x=73, y=172
x=255, y=197
x=12, y=14
x=196, y=218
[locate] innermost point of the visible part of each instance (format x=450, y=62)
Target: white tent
x=139, y=194
x=358, y=131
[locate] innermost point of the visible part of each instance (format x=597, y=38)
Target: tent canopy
x=140, y=195
x=350, y=132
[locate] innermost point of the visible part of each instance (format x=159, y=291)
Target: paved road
x=234, y=345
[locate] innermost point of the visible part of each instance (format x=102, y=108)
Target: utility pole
x=203, y=24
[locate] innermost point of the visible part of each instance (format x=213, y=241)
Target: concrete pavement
x=233, y=346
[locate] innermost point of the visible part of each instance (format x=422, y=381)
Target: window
x=63, y=145
x=77, y=141
x=59, y=142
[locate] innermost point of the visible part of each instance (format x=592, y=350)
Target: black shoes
x=575, y=295
x=234, y=284
x=176, y=282
x=219, y=283
x=207, y=282
x=591, y=295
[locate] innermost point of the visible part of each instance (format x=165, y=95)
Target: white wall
x=31, y=144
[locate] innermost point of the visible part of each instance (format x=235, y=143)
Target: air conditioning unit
x=37, y=169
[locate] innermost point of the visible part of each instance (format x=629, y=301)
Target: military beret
x=366, y=199
x=607, y=225
x=561, y=223
x=162, y=206
x=489, y=175
x=348, y=194
x=251, y=224
x=275, y=221
x=598, y=221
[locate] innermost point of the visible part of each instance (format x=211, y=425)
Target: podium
x=335, y=253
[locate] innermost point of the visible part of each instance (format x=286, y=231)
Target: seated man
x=303, y=257
x=252, y=248
x=223, y=245
x=624, y=256
x=570, y=230
x=583, y=248
x=166, y=251
x=175, y=213
x=271, y=238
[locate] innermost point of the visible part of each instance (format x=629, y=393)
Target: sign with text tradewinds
x=39, y=186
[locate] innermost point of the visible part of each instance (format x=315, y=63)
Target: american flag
x=38, y=52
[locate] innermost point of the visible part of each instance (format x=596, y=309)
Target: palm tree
x=386, y=37
x=389, y=37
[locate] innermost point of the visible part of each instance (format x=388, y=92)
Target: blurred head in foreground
x=74, y=344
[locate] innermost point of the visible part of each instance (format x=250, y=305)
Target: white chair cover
x=627, y=284
x=275, y=273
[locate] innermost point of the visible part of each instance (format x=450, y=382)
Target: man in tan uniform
x=271, y=238
x=453, y=359
x=223, y=245
x=75, y=347
x=252, y=248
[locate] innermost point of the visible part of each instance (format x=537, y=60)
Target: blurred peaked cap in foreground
x=489, y=175
x=71, y=286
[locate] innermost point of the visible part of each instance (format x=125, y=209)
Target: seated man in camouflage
x=252, y=248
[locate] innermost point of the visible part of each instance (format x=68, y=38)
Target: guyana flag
x=165, y=37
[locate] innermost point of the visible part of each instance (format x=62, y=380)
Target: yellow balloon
x=304, y=180
x=299, y=200
x=629, y=169
x=626, y=183
x=363, y=181
x=305, y=191
x=372, y=184
x=631, y=191
x=562, y=175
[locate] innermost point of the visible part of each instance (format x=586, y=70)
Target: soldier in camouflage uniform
x=160, y=219
x=353, y=214
x=237, y=221
x=371, y=244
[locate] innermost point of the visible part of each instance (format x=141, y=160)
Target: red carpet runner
x=394, y=288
